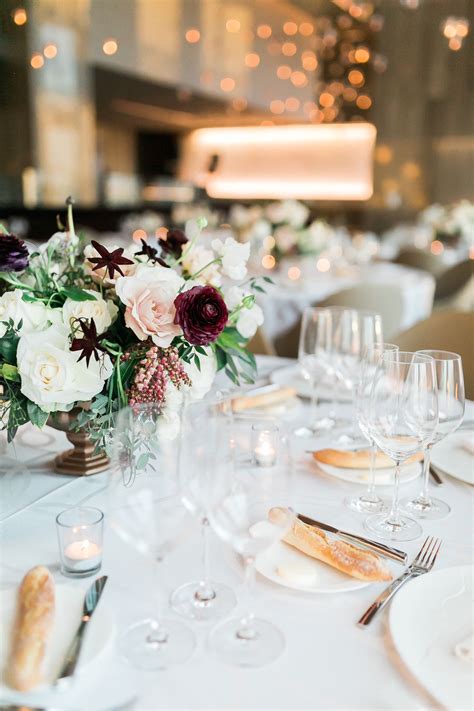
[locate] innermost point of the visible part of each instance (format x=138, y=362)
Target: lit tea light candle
x=265, y=454
x=82, y=555
x=80, y=532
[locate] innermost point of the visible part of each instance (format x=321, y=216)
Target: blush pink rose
x=149, y=296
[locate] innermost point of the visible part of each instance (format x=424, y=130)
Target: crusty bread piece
x=32, y=628
x=347, y=558
x=358, y=459
x=265, y=399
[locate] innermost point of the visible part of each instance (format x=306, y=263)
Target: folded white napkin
x=465, y=650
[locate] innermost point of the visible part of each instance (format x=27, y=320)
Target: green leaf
x=37, y=416
x=9, y=372
x=77, y=294
x=221, y=357
x=8, y=346
x=29, y=298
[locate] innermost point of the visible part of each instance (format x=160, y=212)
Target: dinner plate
x=383, y=477
x=428, y=618
x=450, y=457
x=326, y=579
x=68, y=611
x=286, y=410
x=291, y=376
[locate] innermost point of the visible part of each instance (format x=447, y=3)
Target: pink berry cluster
x=154, y=370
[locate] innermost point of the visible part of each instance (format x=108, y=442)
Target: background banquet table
x=285, y=300
x=328, y=663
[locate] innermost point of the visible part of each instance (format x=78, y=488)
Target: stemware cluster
x=155, y=484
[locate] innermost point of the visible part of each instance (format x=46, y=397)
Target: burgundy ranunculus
x=174, y=242
x=201, y=313
x=13, y=253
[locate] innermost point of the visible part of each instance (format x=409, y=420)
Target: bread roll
x=32, y=628
x=358, y=459
x=347, y=558
x=265, y=399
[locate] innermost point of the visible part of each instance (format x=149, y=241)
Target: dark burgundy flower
x=89, y=344
x=201, y=313
x=174, y=242
x=151, y=253
x=111, y=261
x=13, y=253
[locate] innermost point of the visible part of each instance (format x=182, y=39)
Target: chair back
x=260, y=344
x=454, y=279
x=419, y=259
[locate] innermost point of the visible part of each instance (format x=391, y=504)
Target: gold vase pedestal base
x=82, y=460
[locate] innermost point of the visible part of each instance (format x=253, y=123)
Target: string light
x=19, y=16
x=364, y=102
x=192, y=35
x=50, y=51
x=361, y=55
x=277, y=106
x=232, y=25
x=323, y=265
x=356, y=77
x=298, y=79
x=294, y=273
x=455, y=29
x=290, y=28
x=36, y=60
x=326, y=99
x=252, y=60
x=268, y=261
x=288, y=49
x=292, y=103
x=227, y=84
x=110, y=47
x=383, y=154
x=306, y=29
x=264, y=31
x=283, y=72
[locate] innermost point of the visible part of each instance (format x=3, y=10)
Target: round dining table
x=329, y=662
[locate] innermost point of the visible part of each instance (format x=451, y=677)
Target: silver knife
x=392, y=553
x=435, y=476
x=90, y=603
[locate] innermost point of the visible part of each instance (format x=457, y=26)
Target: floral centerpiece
x=90, y=329
x=450, y=224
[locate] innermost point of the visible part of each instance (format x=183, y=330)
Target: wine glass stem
x=394, y=515
x=371, y=488
x=246, y=629
x=205, y=593
x=158, y=634
x=313, y=401
x=423, y=498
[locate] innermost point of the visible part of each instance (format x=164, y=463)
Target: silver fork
x=422, y=563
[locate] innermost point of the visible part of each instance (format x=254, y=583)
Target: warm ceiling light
x=288, y=49
x=455, y=44
x=306, y=29
x=266, y=122
x=277, y=106
x=349, y=94
x=462, y=28
x=309, y=63
x=326, y=99
x=283, y=72
x=290, y=28
x=252, y=60
x=361, y=55
x=227, y=84
x=449, y=29
x=239, y=104
x=356, y=77
x=292, y=103
x=110, y=47
x=232, y=25
x=383, y=154
x=268, y=261
x=299, y=79
x=264, y=31
x=330, y=113
x=50, y=51
x=363, y=101
x=20, y=17
x=36, y=61
x=192, y=35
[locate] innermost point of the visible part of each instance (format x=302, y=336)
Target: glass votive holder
x=80, y=538
x=265, y=443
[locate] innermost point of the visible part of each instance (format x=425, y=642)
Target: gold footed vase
x=82, y=460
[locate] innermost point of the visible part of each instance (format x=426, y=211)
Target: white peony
x=51, y=374
x=196, y=259
x=34, y=315
x=291, y=212
x=249, y=320
x=234, y=257
x=101, y=275
x=103, y=312
x=286, y=238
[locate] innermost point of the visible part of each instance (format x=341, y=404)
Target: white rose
x=101, y=275
x=103, y=312
x=285, y=238
x=196, y=259
x=149, y=299
x=234, y=257
x=203, y=379
x=34, y=315
x=249, y=320
x=51, y=374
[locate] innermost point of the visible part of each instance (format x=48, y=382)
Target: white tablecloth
x=328, y=663
x=285, y=300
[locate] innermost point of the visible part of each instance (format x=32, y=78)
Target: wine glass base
x=263, y=647
x=406, y=529
x=365, y=504
x=145, y=646
x=434, y=509
x=188, y=602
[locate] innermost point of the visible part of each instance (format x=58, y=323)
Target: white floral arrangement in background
x=455, y=222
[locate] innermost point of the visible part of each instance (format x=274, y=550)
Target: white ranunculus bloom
x=249, y=320
x=103, y=312
x=33, y=315
x=51, y=374
x=196, y=259
x=203, y=379
x=234, y=257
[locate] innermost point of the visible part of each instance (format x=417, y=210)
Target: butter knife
x=393, y=553
x=90, y=603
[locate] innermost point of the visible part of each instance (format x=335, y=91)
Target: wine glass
x=451, y=400
x=145, y=510
x=369, y=501
x=206, y=425
x=402, y=418
x=312, y=347
x=252, y=510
